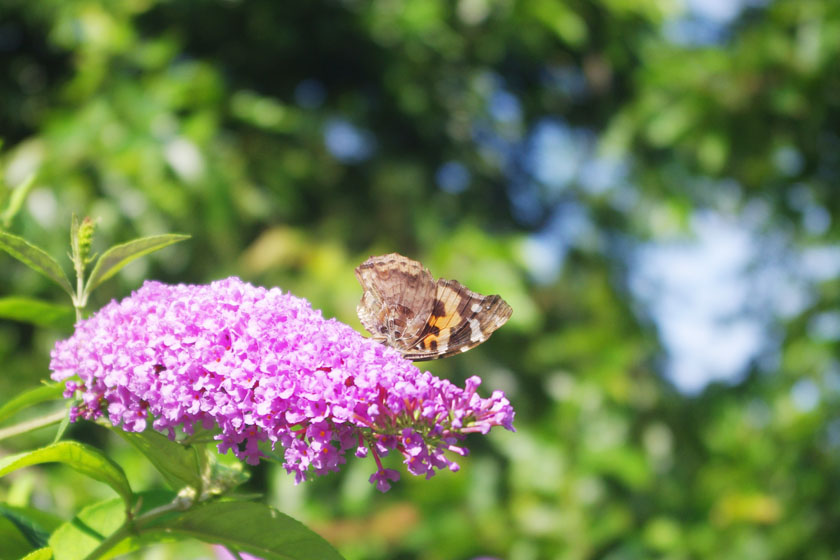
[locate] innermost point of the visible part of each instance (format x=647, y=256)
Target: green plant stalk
x=33, y=424
x=80, y=301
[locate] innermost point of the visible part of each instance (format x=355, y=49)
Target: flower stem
x=33, y=424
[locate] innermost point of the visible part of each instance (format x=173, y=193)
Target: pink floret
x=263, y=366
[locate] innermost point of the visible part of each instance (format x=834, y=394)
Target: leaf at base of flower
x=37, y=312
x=178, y=464
x=251, y=527
x=118, y=256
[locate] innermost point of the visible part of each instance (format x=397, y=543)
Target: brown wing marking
x=446, y=315
x=486, y=314
x=461, y=319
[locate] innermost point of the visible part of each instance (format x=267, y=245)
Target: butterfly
x=405, y=308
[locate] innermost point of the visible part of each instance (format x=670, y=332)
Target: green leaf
x=253, y=528
x=52, y=391
x=78, y=538
x=37, y=312
x=14, y=543
x=24, y=529
x=179, y=464
x=45, y=553
x=35, y=258
x=34, y=525
x=118, y=256
x=78, y=456
x=62, y=426
x=19, y=195
x=47, y=521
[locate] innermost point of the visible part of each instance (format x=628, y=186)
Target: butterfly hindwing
x=397, y=299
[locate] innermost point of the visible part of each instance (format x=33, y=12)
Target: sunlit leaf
x=560, y=18
x=118, y=256
x=254, y=528
x=35, y=258
x=37, y=312
x=78, y=456
x=45, y=553
x=16, y=200
x=79, y=537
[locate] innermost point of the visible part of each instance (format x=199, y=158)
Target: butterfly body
x=404, y=307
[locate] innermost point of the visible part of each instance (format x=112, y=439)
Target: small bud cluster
x=85, y=233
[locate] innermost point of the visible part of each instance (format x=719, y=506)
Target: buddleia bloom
x=262, y=367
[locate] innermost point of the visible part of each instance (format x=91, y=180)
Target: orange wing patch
x=439, y=327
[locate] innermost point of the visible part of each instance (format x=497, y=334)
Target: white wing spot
x=476, y=307
x=475, y=331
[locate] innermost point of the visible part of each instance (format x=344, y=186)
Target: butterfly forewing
x=461, y=319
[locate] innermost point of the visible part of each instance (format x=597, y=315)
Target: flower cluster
x=261, y=367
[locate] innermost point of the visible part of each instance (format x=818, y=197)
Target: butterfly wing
x=397, y=300
x=460, y=319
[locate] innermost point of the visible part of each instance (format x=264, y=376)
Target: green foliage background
x=193, y=116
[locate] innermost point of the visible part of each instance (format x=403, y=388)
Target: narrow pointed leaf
x=62, y=426
x=118, y=256
x=45, y=553
x=78, y=456
x=37, y=312
x=44, y=519
x=34, y=525
x=16, y=200
x=40, y=394
x=251, y=527
x=35, y=258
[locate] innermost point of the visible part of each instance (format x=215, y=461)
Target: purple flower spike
x=265, y=368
